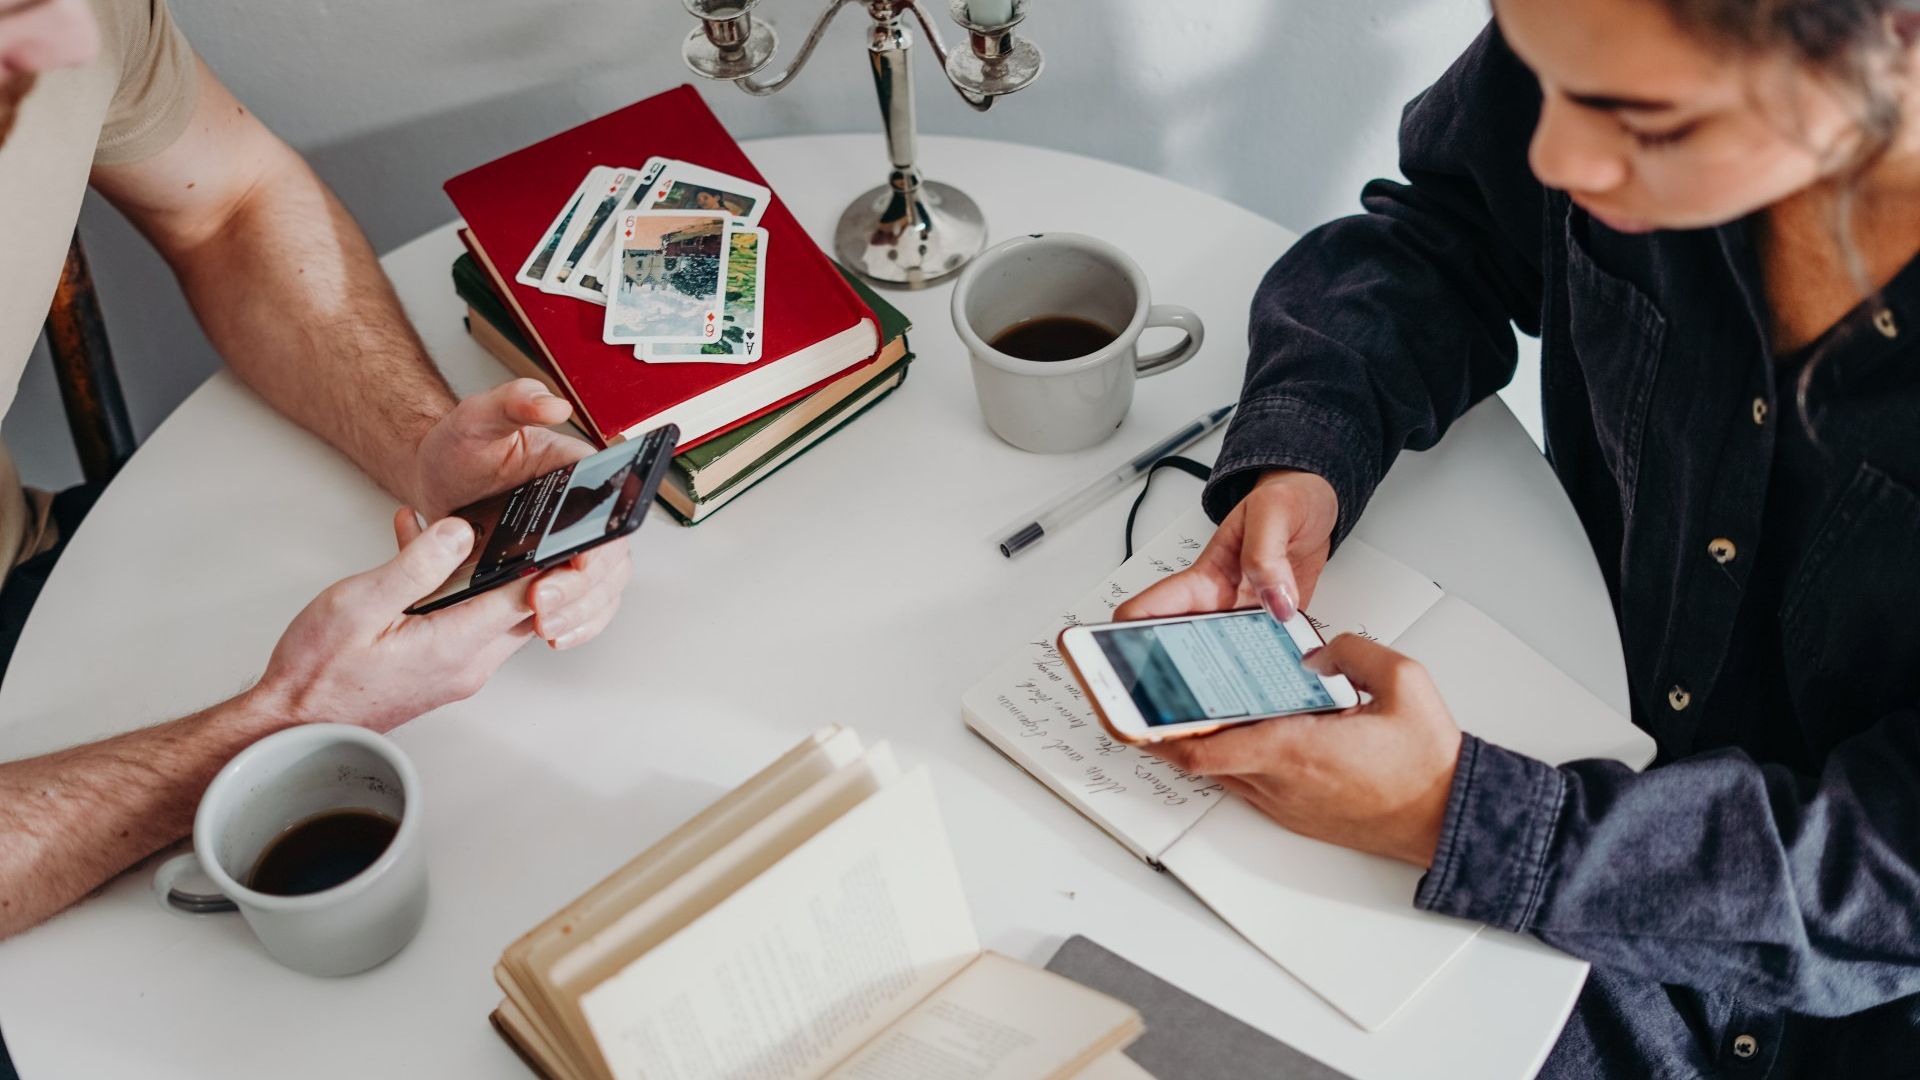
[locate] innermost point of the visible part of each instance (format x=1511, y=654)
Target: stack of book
x=830, y=348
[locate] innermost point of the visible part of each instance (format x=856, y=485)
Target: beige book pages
x=539, y=1055
x=817, y=757
x=1114, y=1065
x=998, y=1019
x=790, y=974
x=661, y=916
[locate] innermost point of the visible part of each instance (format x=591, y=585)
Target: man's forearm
x=292, y=296
x=72, y=819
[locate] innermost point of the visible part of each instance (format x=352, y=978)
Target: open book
x=810, y=923
x=1341, y=922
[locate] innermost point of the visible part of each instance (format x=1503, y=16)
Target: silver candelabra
x=908, y=231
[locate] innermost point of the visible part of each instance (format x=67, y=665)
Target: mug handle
x=183, y=886
x=1167, y=359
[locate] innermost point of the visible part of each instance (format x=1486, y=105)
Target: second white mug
x=1057, y=405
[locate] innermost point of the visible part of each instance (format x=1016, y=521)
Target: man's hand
x=493, y=441
x=1373, y=778
x=353, y=657
x=1269, y=551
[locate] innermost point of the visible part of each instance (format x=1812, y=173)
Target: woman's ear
x=1903, y=27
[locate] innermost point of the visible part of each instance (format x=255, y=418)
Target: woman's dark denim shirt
x=1765, y=887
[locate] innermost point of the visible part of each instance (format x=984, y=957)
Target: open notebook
x=810, y=923
x=1341, y=922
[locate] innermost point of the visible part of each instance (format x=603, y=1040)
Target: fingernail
x=546, y=595
x=452, y=534
x=1278, y=600
x=566, y=639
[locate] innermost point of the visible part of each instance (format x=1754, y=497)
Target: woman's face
x=1648, y=128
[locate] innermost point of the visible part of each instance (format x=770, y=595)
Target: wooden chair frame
x=83, y=364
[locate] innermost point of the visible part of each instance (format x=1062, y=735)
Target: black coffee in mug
x=1053, y=338
x=325, y=850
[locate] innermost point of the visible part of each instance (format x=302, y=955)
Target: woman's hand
x=1373, y=778
x=1269, y=551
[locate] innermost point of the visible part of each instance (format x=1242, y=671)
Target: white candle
x=989, y=12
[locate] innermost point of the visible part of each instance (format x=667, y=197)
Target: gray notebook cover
x=1186, y=1038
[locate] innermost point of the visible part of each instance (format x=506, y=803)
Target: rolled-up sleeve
x=1713, y=872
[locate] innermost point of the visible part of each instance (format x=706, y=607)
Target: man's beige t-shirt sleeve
x=159, y=81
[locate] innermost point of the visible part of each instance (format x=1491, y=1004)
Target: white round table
x=858, y=586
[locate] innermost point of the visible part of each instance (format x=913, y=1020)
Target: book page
x=804, y=964
x=1033, y=710
x=999, y=1019
x=523, y=966
x=739, y=862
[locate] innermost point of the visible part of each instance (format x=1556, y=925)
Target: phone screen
x=1217, y=668
x=563, y=511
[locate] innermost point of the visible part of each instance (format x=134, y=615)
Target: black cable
x=1186, y=465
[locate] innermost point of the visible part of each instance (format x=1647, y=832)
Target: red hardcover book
x=816, y=327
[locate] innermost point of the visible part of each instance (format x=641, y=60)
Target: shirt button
x=1883, y=322
x=1679, y=698
x=1760, y=411
x=1722, y=550
x=1745, y=1046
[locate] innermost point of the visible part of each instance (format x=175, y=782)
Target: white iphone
x=1158, y=679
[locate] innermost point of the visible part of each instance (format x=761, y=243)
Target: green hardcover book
x=692, y=512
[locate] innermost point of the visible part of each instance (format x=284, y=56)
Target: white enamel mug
x=282, y=781
x=1059, y=405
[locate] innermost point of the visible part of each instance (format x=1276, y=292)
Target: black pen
x=1073, y=504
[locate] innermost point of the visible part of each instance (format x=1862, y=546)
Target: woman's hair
x=1855, y=43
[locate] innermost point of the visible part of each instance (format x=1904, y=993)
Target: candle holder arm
x=758, y=88
x=979, y=102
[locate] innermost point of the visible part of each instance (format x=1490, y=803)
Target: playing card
x=739, y=340
x=690, y=188
x=668, y=287
x=542, y=254
x=589, y=277
x=595, y=211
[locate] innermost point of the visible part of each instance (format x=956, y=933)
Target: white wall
x=1283, y=106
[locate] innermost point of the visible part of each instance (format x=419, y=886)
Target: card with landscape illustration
x=668, y=286
x=740, y=336
x=542, y=255
x=595, y=211
x=589, y=279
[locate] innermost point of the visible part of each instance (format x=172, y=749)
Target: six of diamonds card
x=667, y=286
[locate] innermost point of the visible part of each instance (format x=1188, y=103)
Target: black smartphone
x=550, y=519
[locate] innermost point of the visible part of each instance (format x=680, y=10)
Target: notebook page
x=1344, y=923
x=804, y=964
x=1033, y=711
